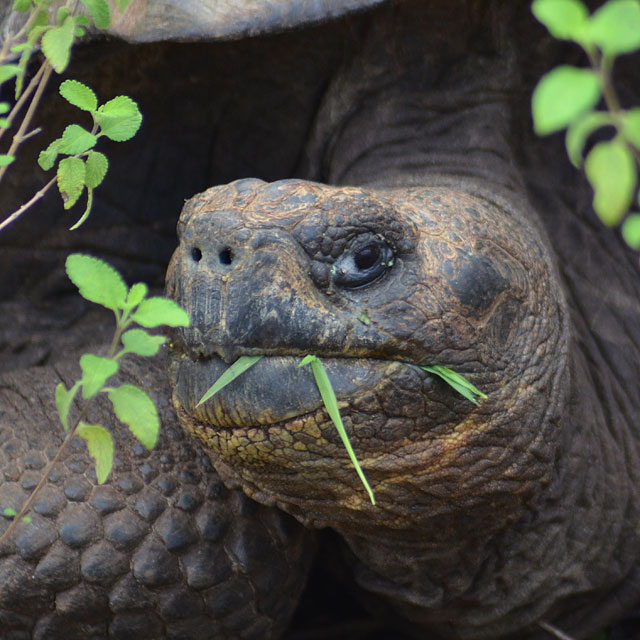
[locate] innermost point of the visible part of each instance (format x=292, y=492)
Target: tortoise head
x=374, y=283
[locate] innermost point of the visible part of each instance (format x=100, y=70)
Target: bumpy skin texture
x=470, y=285
x=454, y=294
x=429, y=95
x=163, y=550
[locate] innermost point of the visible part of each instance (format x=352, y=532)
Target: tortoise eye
x=366, y=257
x=363, y=262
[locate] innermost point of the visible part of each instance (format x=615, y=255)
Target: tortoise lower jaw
x=272, y=391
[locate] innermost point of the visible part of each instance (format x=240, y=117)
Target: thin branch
x=612, y=101
x=16, y=214
x=11, y=39
x=18, y=137
x=23, y=98
x=554, y=631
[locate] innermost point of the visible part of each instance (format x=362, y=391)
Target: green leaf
x=580, y=129
x=95, y=372
x=565, y=19
x=119, y=119
x=83, y=21
x=331, y=403
x=615, y=27
x=96, y=168
x=99, y=12
x=75, y=139
x=122, y=4
x=5, y=107
x=153, y=312
x=24, y=59
x=631, y=126
x=41, y=20
x=47, y=158
x=62, y=14
x=100, y=445
x=21, y=5
x=236, y=369
x=6, y=159
x=136, y=295
x=631, y=230
x=56, y=44
x=8, y=511
x=4, y=123
x=8, y=71
x=364, y=318
x=87, y=211
x=79, y=95
x=64, y=399
x=71, y=176
x=611, y=170
x=97, y=281
x=140, y=342
x=136, y=409
x=561, y=96
x=456, y=381
x=37, y=30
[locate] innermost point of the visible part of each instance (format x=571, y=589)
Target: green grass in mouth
x=458, y=382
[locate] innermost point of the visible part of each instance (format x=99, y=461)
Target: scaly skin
x=465, y=495
x=422, y=92
x=163, y=550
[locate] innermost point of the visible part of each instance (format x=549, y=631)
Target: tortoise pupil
x=367, y=257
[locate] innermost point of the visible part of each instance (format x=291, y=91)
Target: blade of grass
x=331, y=403
x=237, y=368
x=456, y=381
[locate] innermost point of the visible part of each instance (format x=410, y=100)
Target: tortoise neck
x=579, y=537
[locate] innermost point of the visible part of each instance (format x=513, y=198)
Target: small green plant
x=567, y=97
x=118, y=119
x=455, y=380
x=100, y=283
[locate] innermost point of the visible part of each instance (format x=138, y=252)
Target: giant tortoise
x=387, y=206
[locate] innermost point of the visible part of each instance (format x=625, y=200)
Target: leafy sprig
x=98, y=282
x=118, y=119
x=566, y=97
x=54, y=31
x=458, y=382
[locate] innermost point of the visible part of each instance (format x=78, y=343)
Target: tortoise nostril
x=196, y=254
x=225, y=256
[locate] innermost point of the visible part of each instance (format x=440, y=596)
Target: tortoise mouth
x=272, y=391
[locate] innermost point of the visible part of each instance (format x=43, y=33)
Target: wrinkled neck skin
x=568, y=553
x=489, y=519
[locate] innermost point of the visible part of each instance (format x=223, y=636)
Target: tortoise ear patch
x=474, y=280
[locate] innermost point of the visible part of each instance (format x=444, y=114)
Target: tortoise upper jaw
x=274, y=389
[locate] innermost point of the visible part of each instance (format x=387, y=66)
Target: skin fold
x=405, y=128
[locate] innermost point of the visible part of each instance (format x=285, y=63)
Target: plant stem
x=16, y=214
x=45, y=476
x=23, y=98
x=18, y=138
x=554, y=631
x=611, y=99
x=11, y=40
